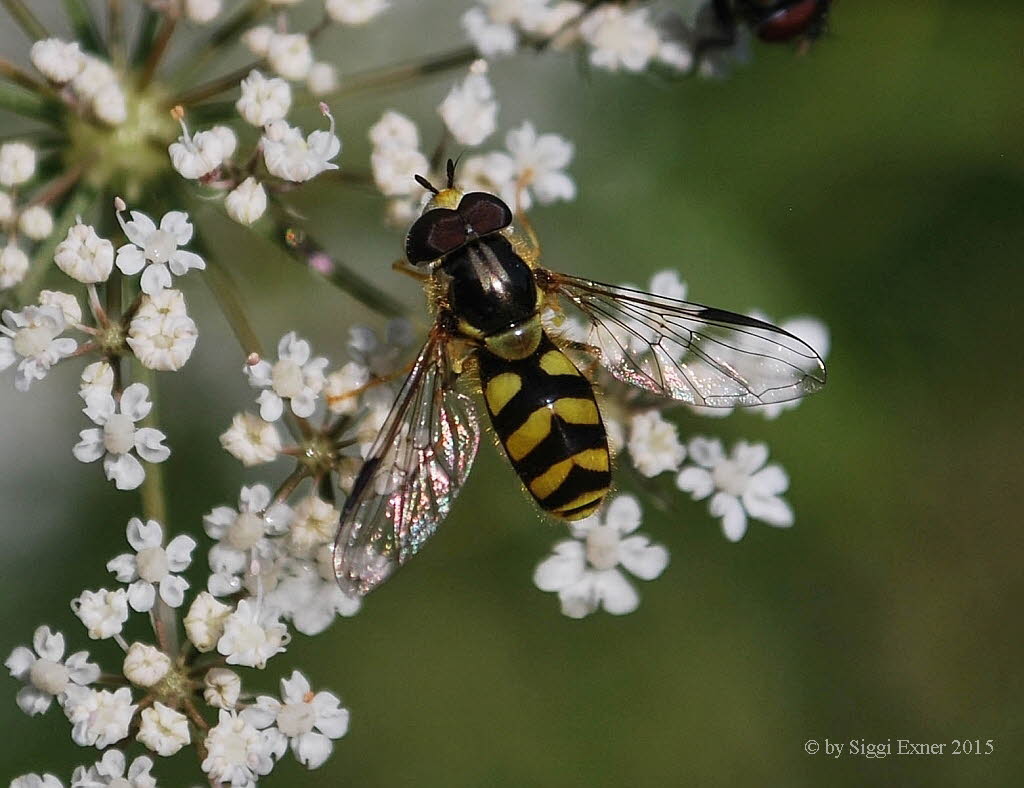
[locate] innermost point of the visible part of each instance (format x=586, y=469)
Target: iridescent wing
x=689, y=352
x=413, y=472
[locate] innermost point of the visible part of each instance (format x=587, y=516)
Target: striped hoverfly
x=488, y=296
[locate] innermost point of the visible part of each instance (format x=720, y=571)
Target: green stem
x=115, y=30
x=82, y=22
x=26, y=20
x=154, y=498
x=226, y=292
x=22, y=78
x=302, y=248
x=156, y=52
x=144, y=38
x=396, y=76
x=243, y=18
x=214, y=87
x=29, y=104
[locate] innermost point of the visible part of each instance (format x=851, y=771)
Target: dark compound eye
x=435, y=234
x=484, y=212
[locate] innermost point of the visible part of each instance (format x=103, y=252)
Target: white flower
x=166, y=303
x=654, y=444
x=263, y=100
x=36, y=781
x=58, y=61
x=322, y=79
x=204, y=622
x=6, y=208
x=295, y=377
x=110, y=771
x=17, y=163
x=741, y=483
x=394, y=168
x=309, y=594
x=491, y=38
x=223, y=687
x=151, y=567
x=243, y=536
x=13, y=265
x=194, y=156
x=36, y=223
x=97, y=378
x=246, y=202
x=84, y=256
x=341, y=386
x=585, y=571
x=161, y=341
x=102, y=612
x=307, y=721
x=470, y=110
x=355, y=12
x=157, y=250
x=252, y=636
x=394, y=130
x=289, y=156
x=536, y=167
x=289, y=54
x=163, y=730
x=65, y=302
x=237, y=753
x=117, y=435
x=45, y=673
x=257, y=39
x=315, y=524
x=34, y=334
x=145, y=665
x=621, y=39
x=94, y=75
x=251, y=440
x=202, y=11
x=110, y=104
x=99, y=718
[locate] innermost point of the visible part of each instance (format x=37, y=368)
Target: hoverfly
x=773, y=21
x=488, y=295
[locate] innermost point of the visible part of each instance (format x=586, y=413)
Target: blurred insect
x=490, y=299
x=775, y=21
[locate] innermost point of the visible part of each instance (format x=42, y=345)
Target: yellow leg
x=404, y=267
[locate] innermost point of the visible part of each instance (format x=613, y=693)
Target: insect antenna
x=451, y=171
x=425, y=184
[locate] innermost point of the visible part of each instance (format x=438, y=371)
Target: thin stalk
x=84, y=25
x=303, y=249
x=156, y=53
x=397, y=76
x=243, y=18
x=115, y=30
x=26, y=20
x=28, y=104
x=214, y=87
x=226, y=292
x=56, y=188
x=288, y=485
x=23, y=78
x=147, y=29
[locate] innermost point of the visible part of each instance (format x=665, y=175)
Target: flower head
x=156, y=249
x=163, y=729
x=103, y=612
x=252, y=636
x=237, y=753
x=290, y=156
x=152, y=567
x=34, y=336
x=47, y=675
x=111, y=771
x=294, y=377
x=117, y=436
x=585, y=570
x=99, y=718
x=251, y=440
x=470, y=110
x=263, y=100
x=84, y=256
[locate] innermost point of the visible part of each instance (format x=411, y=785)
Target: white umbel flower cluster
x=470, y=111
x=91, y=79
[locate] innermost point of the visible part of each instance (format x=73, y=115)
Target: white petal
x=624, y=514
x=141, y=596
x=750, y=456
x=734, y=519
x=254, y=499
x=179, y=552
x=770, y=509
x=696, y=481
x=20, y=662
x=80, y=669
x=562, y=569
x=172, y=590
x=331, y=718
x=155, y=278
x=223, y=584
x=33, y=701
x=770, y=481
x=706, y=452
x=304, y=404
x=130, y=259
x=643, y=559
x=579, y=599
x=123, y=567
x=139, y=228
x=617, y=594
x=135, y=402
x=48, y=644
x=271, y=405
x=124, y=470
x=263, y=713
x=181, y=261
x=90, y=448
x=178, y=225
x=144, y=534
x=259, y=375
x=217, y=521
x=294, y=687
x=312, y=749
x=149, y=444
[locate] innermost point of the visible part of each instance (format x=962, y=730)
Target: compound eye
x=484, y=212
x=435, y=234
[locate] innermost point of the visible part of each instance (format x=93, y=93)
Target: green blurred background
x=876, y=183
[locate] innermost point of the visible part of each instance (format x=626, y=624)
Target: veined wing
x=689, y=352
x=412, y=474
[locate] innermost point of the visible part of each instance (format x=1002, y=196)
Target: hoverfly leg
x=404, y=267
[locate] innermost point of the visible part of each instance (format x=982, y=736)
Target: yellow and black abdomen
x=546, y=416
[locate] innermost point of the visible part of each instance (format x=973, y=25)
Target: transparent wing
x=689, y=352
x=412, y=474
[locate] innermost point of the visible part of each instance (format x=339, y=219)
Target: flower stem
x=115, y=30
x=22, y=78
x=243, y=18
x=213, y=87
x=396, y=76
x=156, y=53
x=28, y=103
x=26, y=20
x=226, y=292
x=288, y=485
x=154, y=497
x=84, y=25
x=149, y=19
